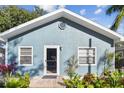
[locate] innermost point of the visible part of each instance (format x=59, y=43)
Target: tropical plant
x=74, y=82
x=12, y=82
x=71, y=66
x=110, y=79
x=120, y=10
x=7, y=69
x=17, y=81
x=117, y=60
x=89, y=80
x=24, y=81
x=108, y=60
x=2, y=83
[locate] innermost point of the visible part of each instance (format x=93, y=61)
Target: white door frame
x=45, y=64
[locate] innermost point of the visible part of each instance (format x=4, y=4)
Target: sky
x=96, y=13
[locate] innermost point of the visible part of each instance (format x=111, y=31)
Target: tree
x=11, y=16
x=39, y=10
x=120, y=10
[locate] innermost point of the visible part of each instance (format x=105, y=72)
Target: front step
x=46, y=82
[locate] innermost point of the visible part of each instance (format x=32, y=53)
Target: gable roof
x=55, y=15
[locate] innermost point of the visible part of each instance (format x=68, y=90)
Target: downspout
x=89, y=65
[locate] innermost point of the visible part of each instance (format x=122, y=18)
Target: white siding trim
x=87, y=64
x=19, y=47
x=58, y=58
x=6, y=53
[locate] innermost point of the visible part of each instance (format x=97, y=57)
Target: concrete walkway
x=46, y=82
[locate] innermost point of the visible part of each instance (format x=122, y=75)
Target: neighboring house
x=43, y=46
x=119, y=48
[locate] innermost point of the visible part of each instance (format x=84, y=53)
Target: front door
x=51, y=60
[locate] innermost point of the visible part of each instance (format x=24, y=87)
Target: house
x=119, y=49
x=43, y=46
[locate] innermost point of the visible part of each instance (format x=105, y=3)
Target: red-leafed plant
x=7, y=69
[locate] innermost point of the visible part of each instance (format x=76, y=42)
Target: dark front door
x=51, y=62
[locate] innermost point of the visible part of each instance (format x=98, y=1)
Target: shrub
x=74, y=82
x=7, y=69
x=108, y=80
x=2, y=82
x=12, y=82
x=11, y=79
x=24, y=81
x=89, y=80
x=18, y=81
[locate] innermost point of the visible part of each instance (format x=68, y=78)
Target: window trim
x=87, y=64
x=19, y=55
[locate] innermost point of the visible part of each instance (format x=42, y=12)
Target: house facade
x=44, y=45
x=119, y=49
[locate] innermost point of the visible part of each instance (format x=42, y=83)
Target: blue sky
x=95, y=13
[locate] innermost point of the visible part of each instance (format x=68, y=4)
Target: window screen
x=26, y=55
x=86, y=55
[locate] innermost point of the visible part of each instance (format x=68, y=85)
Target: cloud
x=83, y=11
x=50, y=8
x=101, y=6
x=61, y=6
x=98, y=11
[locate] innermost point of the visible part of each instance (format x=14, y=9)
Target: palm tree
x=120, y=10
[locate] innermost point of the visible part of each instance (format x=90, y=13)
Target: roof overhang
x=57, y=14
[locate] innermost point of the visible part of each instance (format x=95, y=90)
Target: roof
x=55, y=15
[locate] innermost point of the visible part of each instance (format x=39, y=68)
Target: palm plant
x=71, y=66
x=120, y=10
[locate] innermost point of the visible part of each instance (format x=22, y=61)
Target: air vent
x=62, y=25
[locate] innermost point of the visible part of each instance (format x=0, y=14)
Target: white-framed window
x=86, y=55
x=25, y=55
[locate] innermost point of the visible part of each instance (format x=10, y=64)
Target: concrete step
x=46, y=82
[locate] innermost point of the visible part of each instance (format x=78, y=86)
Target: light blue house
x=43, y=46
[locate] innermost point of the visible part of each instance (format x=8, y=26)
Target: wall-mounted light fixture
x=60, y=48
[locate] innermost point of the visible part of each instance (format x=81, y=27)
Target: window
x=26, y=55
x=86, y=55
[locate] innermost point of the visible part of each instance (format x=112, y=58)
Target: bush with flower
x=10, y=78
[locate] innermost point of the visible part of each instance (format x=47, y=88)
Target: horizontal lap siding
x=69, y=40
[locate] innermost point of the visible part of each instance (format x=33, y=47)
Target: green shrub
x=89, y=80
x=108, y=80
x=12, y=82
x=18, y=81
x=114, y=79
x=2, y=83
x=74, y=82
x=24, y=81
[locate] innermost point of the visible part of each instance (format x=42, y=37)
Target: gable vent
x=62, y=25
